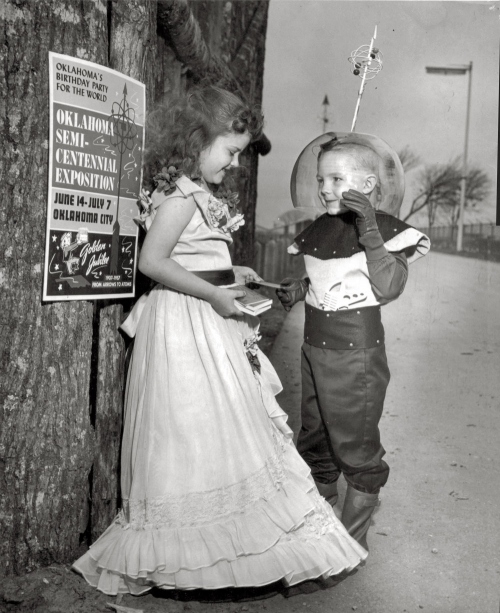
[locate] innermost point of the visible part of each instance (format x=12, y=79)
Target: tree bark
x=243, y=50
x=198, y=47
x=62, y=363
x=132, y=42
x=234, y=60
x=179, y=26
x=46, y=440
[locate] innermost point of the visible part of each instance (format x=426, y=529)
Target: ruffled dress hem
x=291, y=537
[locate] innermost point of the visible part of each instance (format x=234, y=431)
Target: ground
x=56, y=589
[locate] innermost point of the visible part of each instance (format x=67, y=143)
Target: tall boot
x=357, y=513
x=328, y=491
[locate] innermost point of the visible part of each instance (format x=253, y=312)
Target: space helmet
x=390, y=186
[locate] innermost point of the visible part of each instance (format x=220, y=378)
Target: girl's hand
x=223, y=302
x=244, y=274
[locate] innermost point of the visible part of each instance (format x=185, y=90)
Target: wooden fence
x=481, y=240
x=486, y=230
x=271, y=259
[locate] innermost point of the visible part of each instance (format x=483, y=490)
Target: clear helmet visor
x=389, y=192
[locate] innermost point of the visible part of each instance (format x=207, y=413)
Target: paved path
x=435, y=541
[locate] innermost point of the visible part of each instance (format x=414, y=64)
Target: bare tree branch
x=409, y=159
x=439, y=189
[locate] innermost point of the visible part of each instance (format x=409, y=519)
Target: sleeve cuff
x=373, y=243
x=293, y=249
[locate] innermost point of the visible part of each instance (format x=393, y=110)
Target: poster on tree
x=95, y=165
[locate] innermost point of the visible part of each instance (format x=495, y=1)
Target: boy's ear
x=369, y=184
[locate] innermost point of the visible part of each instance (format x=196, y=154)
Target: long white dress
x=214, y=492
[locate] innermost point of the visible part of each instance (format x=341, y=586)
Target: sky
x=307, y=46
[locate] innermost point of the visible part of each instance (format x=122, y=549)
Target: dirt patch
x=271, y=321
x=57, y=589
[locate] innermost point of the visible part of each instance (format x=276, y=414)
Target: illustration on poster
x=72, y=262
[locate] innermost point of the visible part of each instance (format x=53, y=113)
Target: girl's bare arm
x=171, y=219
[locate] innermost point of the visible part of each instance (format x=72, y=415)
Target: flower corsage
x=222, y=211
x=166, y=178
x=165, y=183
x=146, y=212
x=252, y=348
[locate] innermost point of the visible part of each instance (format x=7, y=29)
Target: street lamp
x=459, y=70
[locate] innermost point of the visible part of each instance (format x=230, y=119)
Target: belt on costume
x=216, y=277
x=346, y=329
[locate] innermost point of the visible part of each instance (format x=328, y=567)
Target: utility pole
x=459, y=70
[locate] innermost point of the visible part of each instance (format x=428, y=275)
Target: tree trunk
x=46, y=440
x=62, y=363
x=178, y=23
x=223, y=42
x=131, y=51
x=243, y=50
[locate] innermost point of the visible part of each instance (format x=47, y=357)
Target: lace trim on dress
x=316, y=524
x=200, y=508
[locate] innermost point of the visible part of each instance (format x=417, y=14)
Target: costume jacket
x=347, y=271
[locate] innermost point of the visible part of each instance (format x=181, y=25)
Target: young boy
x=356, y=260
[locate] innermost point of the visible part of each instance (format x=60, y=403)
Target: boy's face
x=337, y=174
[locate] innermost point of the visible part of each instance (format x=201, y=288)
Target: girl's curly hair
x=177, y=133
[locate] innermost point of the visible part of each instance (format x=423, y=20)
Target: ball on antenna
x=356, y=71
x=372, y=55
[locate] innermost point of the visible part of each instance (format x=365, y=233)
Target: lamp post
x=459, y=70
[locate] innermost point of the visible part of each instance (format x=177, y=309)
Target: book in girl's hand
x=253, y=302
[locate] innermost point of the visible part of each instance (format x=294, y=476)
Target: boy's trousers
x=343, y=392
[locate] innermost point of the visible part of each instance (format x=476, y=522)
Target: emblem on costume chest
x=339, y=298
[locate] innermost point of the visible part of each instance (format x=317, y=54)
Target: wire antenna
x=325, y=119
x=367, y=62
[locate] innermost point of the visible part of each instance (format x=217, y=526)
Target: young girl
x=214, y=493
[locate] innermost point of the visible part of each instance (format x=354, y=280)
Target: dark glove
x=359, y=203
x=291, y=291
